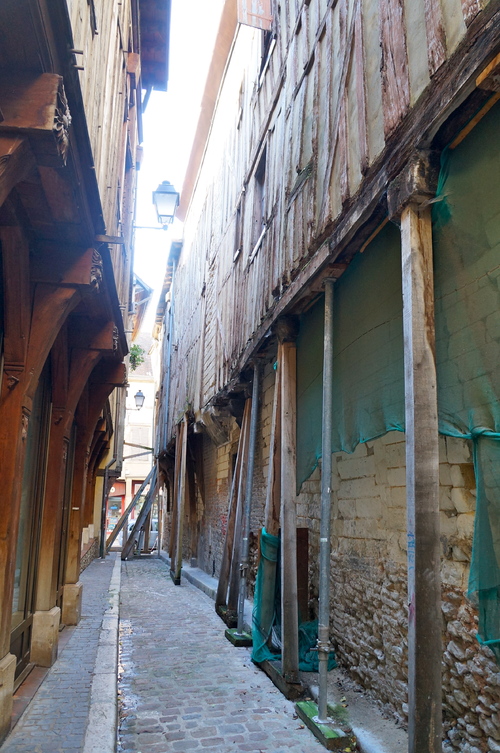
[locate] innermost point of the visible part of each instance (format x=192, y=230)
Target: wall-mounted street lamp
x=139, y=398
x=166, y=201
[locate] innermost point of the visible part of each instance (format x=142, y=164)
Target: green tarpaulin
x=368, y=346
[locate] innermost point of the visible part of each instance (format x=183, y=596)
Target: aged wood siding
x=342, y=77
x=104, y=82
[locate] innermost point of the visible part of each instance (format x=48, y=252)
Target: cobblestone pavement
x=56, y=719
x=183, y=686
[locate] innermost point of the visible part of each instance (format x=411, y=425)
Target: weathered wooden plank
x=372, y=68
x=436, y=40
x=395, y=80
x=470, y=10
x=360, y=92
x=338, y=124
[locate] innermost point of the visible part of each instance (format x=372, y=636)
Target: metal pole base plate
x=331, y=737
x=238, y=639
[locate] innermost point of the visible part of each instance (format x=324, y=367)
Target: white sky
x=169, y=126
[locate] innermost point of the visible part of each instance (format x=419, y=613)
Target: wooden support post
x=407, y=197
x=225, y=568
x=75, y=515
x=192, y=508
x=273, y=494
x=422, y=485
x=287, y=355
x=176, y=565
x=175, y=493
x=147, y=532
x=15, y=412
x=234, y=581
x=272, y=508
x=46, y=586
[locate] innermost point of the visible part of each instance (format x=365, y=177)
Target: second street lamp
x=166, y=201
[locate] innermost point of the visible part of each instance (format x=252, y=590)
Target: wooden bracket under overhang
x=36, y=106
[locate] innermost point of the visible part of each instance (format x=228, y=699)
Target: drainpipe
x=325, y=537
x=247, y=509
x=102, y=543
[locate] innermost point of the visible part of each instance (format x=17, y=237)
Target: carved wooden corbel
x=25, y=418
x=62, y=122
x=96, y=271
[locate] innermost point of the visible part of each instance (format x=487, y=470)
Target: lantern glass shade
x=139, y=398
x=166, y=201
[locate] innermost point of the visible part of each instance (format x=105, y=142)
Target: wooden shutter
x=255, y=13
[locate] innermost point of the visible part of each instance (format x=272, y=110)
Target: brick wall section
x=368, y=585
x=218, y=464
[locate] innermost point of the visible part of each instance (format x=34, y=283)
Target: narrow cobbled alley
x=182, y=685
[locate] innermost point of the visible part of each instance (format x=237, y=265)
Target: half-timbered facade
x=350, y=141
x=72, y=75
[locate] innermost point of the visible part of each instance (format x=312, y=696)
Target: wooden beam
x=175, y=493
x=234, y=581
x=273, y=493
x=192, y=507
x=51, y=307
x=176, y=566
x=59, y=265
x=287, y=355
x=17, y=302
x=422, y=484
x=16, y=161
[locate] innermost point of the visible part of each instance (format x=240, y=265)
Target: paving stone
x=180, y=672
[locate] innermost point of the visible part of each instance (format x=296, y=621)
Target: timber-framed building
x=72, y=75
x=352, y=142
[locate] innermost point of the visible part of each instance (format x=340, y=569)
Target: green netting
x=368, y=397
x=368, y=346
x=266, y=617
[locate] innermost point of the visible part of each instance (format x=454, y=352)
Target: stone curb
x=101, y=733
